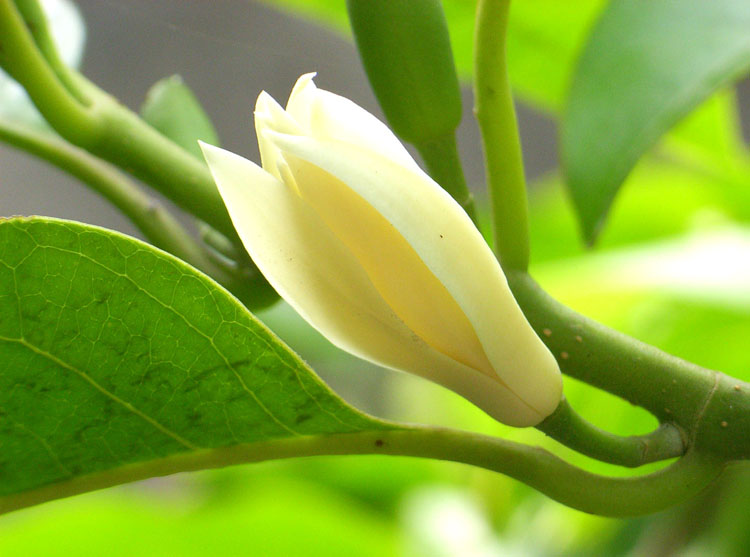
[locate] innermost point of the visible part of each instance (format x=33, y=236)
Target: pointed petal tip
x=307, y=77
x=303, y=82
x=207, y=149
x=227, y=167
x=302, y=85
x=262, y=102
x=210, y=152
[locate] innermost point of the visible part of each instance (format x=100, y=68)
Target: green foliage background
x=692, y=185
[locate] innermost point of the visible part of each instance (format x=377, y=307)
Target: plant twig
x=104, y=127
x=157, y=224
x=496, y=116
x=711, y=408
x=535, y=467
x=569, y=428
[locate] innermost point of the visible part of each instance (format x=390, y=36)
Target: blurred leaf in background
x=644, y=67
x=269, y=516
x=172, y=108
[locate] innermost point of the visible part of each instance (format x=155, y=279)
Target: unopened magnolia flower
x=378, y=257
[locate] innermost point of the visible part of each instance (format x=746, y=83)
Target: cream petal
x=269, y=115
x=485, y=392
x=395, y=269
x=451, y=247
x=322, y=280
x=304, y=262
x=301, y=99
x=325, y=115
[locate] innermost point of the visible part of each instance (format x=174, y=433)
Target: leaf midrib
x=123, y=403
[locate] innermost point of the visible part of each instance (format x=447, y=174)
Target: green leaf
x=173, y=109
x=545, y=38
x=693, y=198
x=646, y=65
x=115, y=353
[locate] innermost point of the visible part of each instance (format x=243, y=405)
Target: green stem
x=569, y=428
x=157, y=225
x=132, y=144
x=712, y=408
x=36, y=22
x=21, y=58
x=90, y=118
x=107, y=129
x=444, y=166
x=496, y=116
x=537, y=468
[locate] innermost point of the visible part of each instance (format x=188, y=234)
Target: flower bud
x=378, y=258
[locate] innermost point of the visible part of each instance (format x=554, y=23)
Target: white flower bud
x=378, y=257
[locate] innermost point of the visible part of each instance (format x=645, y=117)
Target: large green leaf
x=115, y=353
x=647, y=64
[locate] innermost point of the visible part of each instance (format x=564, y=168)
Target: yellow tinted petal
x=398, y=273
x=322, y=280
x=269, y=115
x=447, y=242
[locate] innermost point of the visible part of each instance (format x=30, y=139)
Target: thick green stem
x=21, y=58
x=712, y=409
x=132, y=144
x=496, y=116
x=93, y=120
x=537, y=468
x=107, y=129
x=444, y=166
x=36, y=22
x=570, y=429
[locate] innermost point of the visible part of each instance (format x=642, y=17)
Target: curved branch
x=711, y=408
x=104, y=127
x=23, y=61
x=670, y=388
x=536, y=467
x=568, y=427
